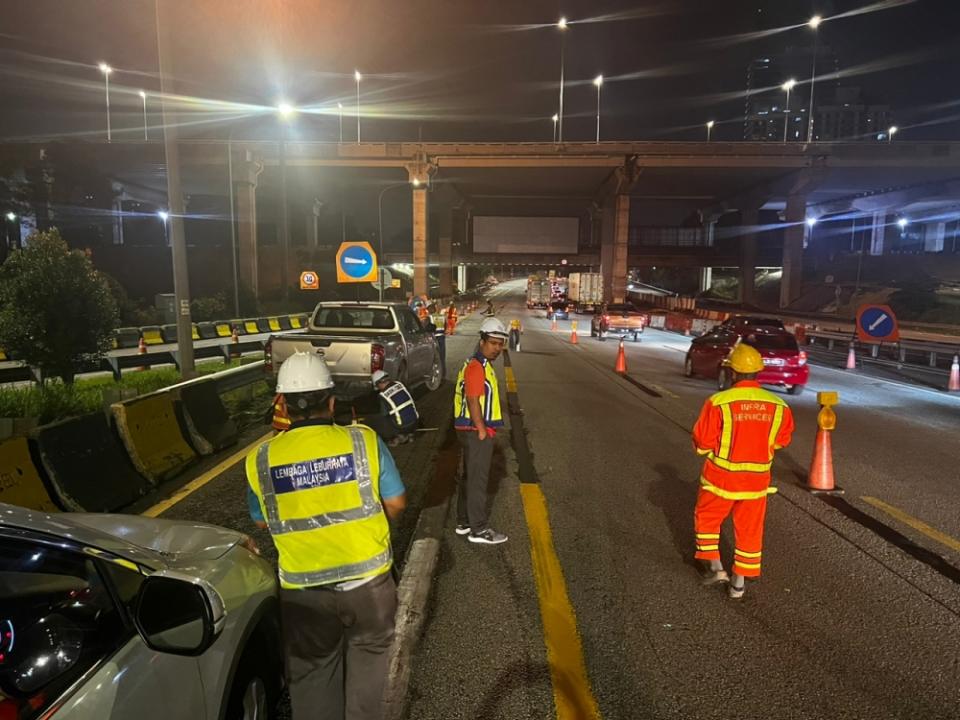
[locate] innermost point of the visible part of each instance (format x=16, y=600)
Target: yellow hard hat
x=745, y=360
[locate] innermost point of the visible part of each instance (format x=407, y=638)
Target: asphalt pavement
x=856, y=615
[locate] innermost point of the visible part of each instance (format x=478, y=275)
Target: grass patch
x=56, y=401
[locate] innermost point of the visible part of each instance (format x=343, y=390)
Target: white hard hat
x=303, y=372
x=378, y=376
x=492, y=326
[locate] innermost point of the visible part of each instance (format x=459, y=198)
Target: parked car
x=117, y=616
x=357, y=339
x=620, y=319
x=785, y=364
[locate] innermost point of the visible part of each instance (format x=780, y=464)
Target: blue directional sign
x=356, y=262
x=877, y=323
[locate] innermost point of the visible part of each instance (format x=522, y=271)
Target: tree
x=56, y=312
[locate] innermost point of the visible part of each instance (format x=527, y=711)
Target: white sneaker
x=462, y=530
x=487, y=537
x=715, y=578
x=734, y=592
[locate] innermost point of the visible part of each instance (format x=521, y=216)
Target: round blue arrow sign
x=356, y=261
x=876, y=322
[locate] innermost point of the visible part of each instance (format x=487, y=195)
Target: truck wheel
x=636, y=338
x=688, y=367
x=435, y=378
x=795, y=389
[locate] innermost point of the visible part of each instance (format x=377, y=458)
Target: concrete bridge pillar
x=615, y=233
x=445, y=259
x=795, y=217
x=706, y=279
x=419, y=173
x=116, y=213
x=878, y=230
x=749, y=221
x=245, y=180
x=933, y=237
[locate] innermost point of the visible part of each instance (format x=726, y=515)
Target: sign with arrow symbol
x=356, y=262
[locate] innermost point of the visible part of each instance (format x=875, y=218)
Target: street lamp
x=285, y=111
x=787, y=87
x=143, y=96
x=814, y=23
x=710, y=124
x=340, y=113
x=598, y=81
x=358, y=77
x=811, y=221
x=902, y=223
x=555, y=118
x=12, y=216
x=415, y=183
x=106, y=70
x=562, y=26
x=891, y=132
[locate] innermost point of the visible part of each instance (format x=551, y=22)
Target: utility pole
x=181, y=285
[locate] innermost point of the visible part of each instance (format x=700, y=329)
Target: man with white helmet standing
x=477, y=415
x=325, y=493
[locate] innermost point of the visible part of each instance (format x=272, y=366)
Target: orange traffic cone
x=235, y=339
x=621, y=366
x=142, y=350
x=573, y=333
x=820, y=480
x=954, y=384
x=851, y=359
x=553, y=325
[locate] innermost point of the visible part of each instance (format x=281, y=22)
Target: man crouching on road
x=476, y=413
x=738, y=430
x=325, y=493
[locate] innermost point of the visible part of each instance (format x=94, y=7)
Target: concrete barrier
x=151, y=335
x=87, y=465
x=207, y=330
x=151, y=433
x=208, y=424
x=20, y=481
x=127, y=337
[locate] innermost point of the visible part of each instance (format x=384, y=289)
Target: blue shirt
x=390, y=483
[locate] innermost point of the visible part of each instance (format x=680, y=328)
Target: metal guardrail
x=906, y=352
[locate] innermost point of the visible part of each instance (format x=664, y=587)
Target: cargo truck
x=585, y=291
x=538, y=291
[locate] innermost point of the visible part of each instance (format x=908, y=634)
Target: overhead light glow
x=163, y=215
x=357, y=76
x=143, y=95
x=598, y=80
x=105, y=69
x=811, y=221
x=11, y=216
x=815, y=22
x=562, y=23
x=903, y=222
x=789, y=84
x=555, y=117
x=710, y=123
x=285, y=109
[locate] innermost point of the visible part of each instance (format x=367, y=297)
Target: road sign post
x=356, y=263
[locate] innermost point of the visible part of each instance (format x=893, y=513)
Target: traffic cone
x=851, y=359
x=142, y=350
x=954, y=384
x=621, y=366
x=820, y=479
x=553, y=325
x=573, y=334
x=235, y=339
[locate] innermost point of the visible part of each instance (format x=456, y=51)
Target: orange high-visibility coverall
x=738, y=430
x=451, y=319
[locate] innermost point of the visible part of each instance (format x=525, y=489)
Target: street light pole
x=555, y=118
x=562, y=25
x=891, y=132
x=284, y=111
x=168, y=126
x=709, y=129
x=106, y=70
x=598, y=81
x=814, y=24
x=233, y=227
x=787, y=87
x=143, y=96
x=358, y=77
x=340, y=113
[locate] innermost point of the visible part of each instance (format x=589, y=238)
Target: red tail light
x=803, y=357
x=377, y=354
x=268, y=356
x=606, y=318
x=798, y=359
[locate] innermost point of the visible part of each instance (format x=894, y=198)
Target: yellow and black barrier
x=20, y=481
x=152, y=434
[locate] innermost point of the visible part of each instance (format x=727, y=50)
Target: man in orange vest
x=281, y=418
x=451, y=318
x=738, y=430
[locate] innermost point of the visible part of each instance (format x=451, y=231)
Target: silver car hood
x=155, y=542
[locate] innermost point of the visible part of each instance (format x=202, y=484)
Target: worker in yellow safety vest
x=325, y=493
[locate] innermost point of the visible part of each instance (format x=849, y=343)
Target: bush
x=913, y=300
x=209, y=308
x=56, y=311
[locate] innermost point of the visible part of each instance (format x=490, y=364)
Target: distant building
x=840, y=112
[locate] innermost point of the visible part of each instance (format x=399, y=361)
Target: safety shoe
x=715, y=577
x=487, y=537
x=462, y=529
x=393, y=442
x=734, y=592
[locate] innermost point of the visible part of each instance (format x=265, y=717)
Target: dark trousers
x=337, y=647
x=514, y=339
x=385, y=426
x=472, y=490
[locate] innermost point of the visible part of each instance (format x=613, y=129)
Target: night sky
x=460, y=69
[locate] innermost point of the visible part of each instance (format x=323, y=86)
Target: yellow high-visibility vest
x=489, y=401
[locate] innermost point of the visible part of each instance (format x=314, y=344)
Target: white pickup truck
x=356, y=339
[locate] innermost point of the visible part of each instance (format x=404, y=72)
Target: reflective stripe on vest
x=489, y=401
x=336, y=521
x=401, y=403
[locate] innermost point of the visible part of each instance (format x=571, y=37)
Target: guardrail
x=906, y=352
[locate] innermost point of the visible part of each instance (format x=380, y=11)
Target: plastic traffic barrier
x=127, y=337
x=20, y=482
x=207, y=330
x=151, y=433
x=250, y=327
x=224, y=329
x=151, y=335
x=209, y=426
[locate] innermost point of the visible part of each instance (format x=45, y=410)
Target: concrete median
x=208, y=424
x=20, y=481
x=88, y=467
x=151, y=433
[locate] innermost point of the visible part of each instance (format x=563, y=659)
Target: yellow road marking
x=202, y=480
x=919, y=525
x=511, y=379
x=572, y=694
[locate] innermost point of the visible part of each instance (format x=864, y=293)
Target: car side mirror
x=178, y=614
